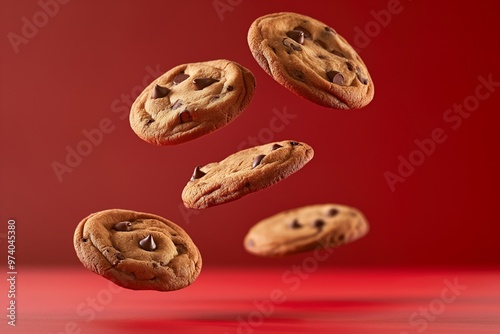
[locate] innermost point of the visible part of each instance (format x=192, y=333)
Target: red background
x=67, y=76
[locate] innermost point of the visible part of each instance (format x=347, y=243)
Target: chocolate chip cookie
x=244, y=172
x=136, y=250
x=190, y=101
x=305, y=229
x=311, y=59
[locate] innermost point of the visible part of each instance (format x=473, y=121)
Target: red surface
x=284, y=300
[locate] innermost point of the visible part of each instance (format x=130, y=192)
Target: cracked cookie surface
x=244, y=172
x=136, y=250
x=310, y=59
x=191, y=100
x=305, y=229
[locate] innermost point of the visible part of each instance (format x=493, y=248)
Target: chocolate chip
x=306, y=32
x=341, y=237
x=159, y=92
x=294, y=143
x=332, y=212
x=148, y=243
x=338, y=53
x=257, y=160
x=364, y=81
x=197, y=173
x=287, y=42
x=149, y=121
x=185, y=117
x=120, y=256
x=180, y=78
x=335, y=77
x=295, y=224
x=230, y=88
x=319, y=223
x=330, y=30
x=299, y=75
x=181, y=249
x=350, y=67
x=177, y=104
x=122, y=226
x=321, y=43
x=296, y=35
x=360, y=76
x=203, y=82
x=275, y=147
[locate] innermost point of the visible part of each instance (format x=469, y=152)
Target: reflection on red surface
x=249, y=301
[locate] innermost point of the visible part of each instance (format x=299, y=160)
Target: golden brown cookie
x=191, y=100
x=244, y=172
x=311, y=59
x=305, y=229
x=137, y=250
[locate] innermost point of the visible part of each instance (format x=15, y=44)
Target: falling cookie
x=244, y=172
x=305, y=229
x=190, y=101
x=311, y=59
x=136, y=250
